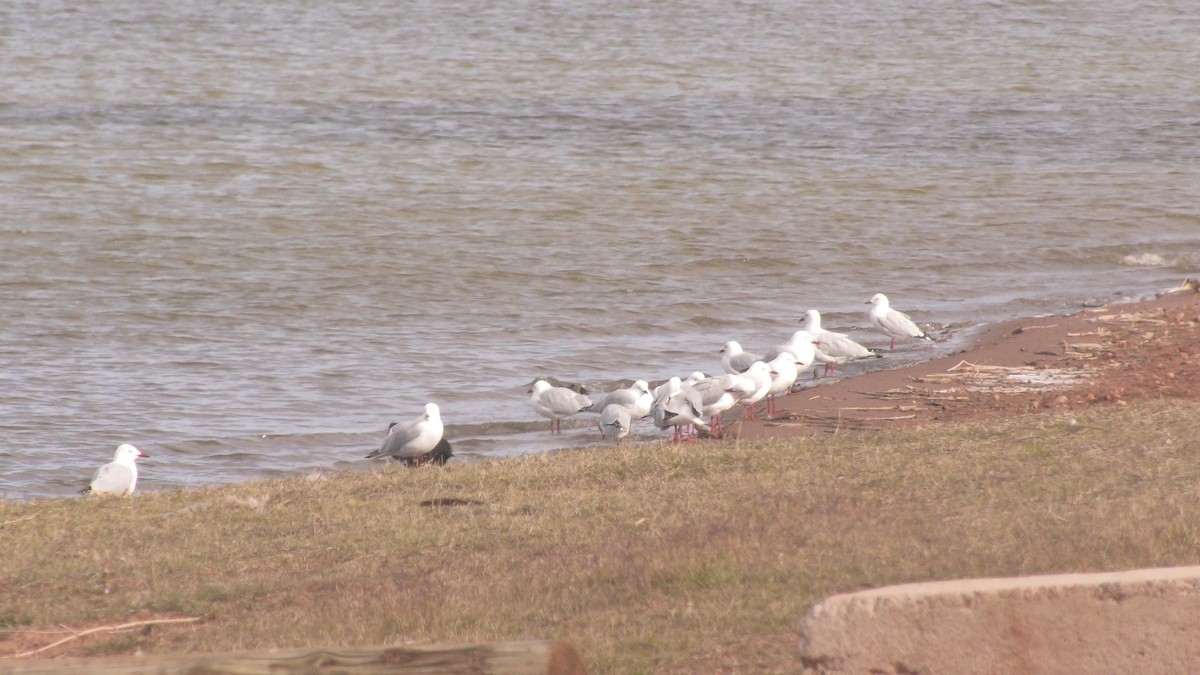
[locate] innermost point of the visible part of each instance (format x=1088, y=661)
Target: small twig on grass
x=98, y=629
x=17, y=520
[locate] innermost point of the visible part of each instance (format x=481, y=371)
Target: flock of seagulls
x=699, y=401
x=695, y=403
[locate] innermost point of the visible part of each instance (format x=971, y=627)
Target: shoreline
x=1055, y=361
x=945, y=387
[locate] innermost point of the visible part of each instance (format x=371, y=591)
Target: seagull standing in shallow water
x=556, y=403
x=614, y=422
x=893, y=323
x=637, y=398
x=118, y=477
x=833, y=348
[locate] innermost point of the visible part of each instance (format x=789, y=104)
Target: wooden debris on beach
x=1007, y=379
x=500, y=658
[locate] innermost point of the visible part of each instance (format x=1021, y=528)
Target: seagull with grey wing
x=556, y=403
x=418, y=440
x=118, y=477
x=735, y=360
x=636, y=397
x=833, y=348
x=678, y=407
x=614, y=422
x=718, y=394
x=892, y=323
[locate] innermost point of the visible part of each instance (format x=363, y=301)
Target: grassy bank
x=698, y=558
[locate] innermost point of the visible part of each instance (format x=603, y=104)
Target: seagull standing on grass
x=556, y=403
x=893, y=323
x=833, y=348
x=118, y=477
x=415, y=441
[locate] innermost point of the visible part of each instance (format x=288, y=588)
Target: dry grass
x=700, y=558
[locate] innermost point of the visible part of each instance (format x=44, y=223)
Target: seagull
x=802, y=345
x=718, y=394
x=614, y=422
x=833, y=348
x=678, y=407
x=760, y=374
x=556, y=403
x=892, y=323
x=415, y=441
x=637, y=398
x=783, y=375
x=119, y=476
x=736, y=361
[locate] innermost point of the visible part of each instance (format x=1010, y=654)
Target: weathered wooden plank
x=500, y=658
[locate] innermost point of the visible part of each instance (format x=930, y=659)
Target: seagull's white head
x=879, y=300
x=432, y=412
x=732, y=348
x=812, y=319
x=539, y=387
x=127, y=454
x=642, y=386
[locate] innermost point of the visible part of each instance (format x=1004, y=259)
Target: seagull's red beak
x=142, y=454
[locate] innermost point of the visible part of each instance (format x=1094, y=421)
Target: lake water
x=246, y=236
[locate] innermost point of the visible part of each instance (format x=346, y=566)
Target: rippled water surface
x=246, y=236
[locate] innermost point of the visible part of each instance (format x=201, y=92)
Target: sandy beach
x=1097, y=356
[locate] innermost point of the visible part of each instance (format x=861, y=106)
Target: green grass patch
x=653, y=558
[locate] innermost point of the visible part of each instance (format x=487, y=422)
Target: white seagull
x=760, y=374
x=802, y=345
x=410, y=441
x=783, y=375
x=720, y=393
x=734, y=360
x=614, y=422
x=118, y=477
x=636, y=397
x=556, y=403
x=678, y=407
x=893, y=323
x=833, y=348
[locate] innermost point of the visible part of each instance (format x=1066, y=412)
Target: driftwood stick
x=100, y=629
